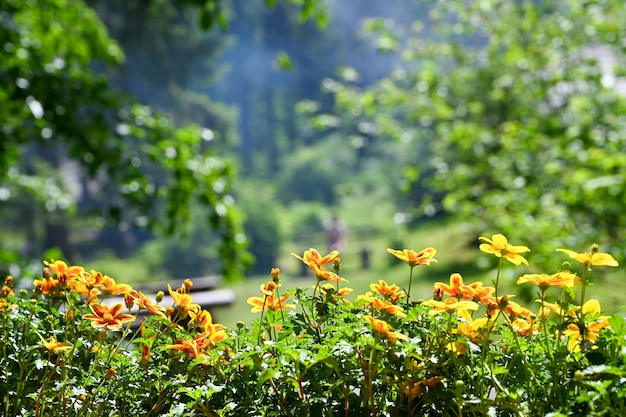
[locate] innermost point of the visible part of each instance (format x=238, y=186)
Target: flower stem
x=498, y=277
x=408, y=292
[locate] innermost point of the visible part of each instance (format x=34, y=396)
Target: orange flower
x=450, y=305
x=111, y=318
x=525, y=326
x=543, y=281
x=384, y=328
x=499, y=246
x=47, y=286
x=195, y=347
x=505, y=305
x=313, y=257
x=5, y=306
x=204, y=320
x=476, y=291
x=62, y=270
x=111, y=287
x=411, y=257
x=594, y=257
x=137, y=298
x=91, y=279
x=414, y=389
x=388, y=307
x=269, y=302
x=391, y=292
x=326, y=275
x=456, y=287
x=184, y=302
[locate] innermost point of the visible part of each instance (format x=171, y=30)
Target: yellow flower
x=411, y=257
x=450, y=305
x=184, y=302
x=499, y=246
x=475, y=330
x=547, y=308
x=384, y=328
x=580, y=333
x=269, y=287
x=53, y=345
x=204, y=320
x=337, y=294
x=591, y=258
x=543, y=281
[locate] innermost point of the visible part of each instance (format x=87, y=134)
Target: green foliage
x=310, y=175
x=263, y=225
x=510, y=113
x=58, y=111
x=470, y=351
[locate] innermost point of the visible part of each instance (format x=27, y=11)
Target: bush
x=67, y=348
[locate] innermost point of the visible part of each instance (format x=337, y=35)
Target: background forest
x=166, y=139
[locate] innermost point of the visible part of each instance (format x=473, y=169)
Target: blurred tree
x=512, y=114
x=61, y=120
x=275, y=61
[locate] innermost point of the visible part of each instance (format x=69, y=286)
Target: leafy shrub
x=70, y=349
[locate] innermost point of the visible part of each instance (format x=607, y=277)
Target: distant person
x=335, y=234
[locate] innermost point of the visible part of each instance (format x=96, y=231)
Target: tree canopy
x=71, y=142
x=512, y=114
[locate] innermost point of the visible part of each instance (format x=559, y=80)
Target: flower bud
x=595, y=248
x=275, y=275
x=145, y=353
x=159, y=296
x=110, y=373
x=6, y=291
x=337, y=264
x=102, y=335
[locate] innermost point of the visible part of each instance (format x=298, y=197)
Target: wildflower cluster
x=82, y=344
